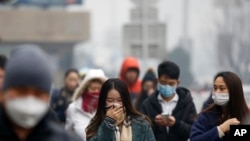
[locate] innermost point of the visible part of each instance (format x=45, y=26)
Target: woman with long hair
x=228, y=108
x=116, y=119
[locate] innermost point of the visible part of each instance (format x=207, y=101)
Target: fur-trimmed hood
x=90, y=75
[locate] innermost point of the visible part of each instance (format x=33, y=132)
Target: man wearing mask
x=25, y=99
x=130, y=75
x=171, y=109
x=61, y=98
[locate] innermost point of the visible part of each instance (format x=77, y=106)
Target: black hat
x=28, y=67
x=150, y=76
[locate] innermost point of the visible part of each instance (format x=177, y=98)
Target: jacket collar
x=5, y=127
x=174, y=99
x=153, y=99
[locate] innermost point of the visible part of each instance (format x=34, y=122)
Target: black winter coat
x=46, y=130
x=184, y=114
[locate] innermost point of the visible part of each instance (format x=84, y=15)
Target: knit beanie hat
x=28, y=67
x=150, y=76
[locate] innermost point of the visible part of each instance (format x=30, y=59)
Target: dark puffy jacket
x=184, y=114
x=46, y=130
x=60, y=100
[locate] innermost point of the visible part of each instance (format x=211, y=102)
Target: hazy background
x=202, y=37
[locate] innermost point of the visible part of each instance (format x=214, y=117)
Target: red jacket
x=131, y=62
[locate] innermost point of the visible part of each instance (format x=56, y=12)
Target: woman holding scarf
x=85, y=102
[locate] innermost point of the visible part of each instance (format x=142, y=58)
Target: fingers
x=170, y=118
x=225, y=126
x=158, y=117
x=160, y=121
x=114, y=109
x=234, y=121
x=118, y=110
x=115, y=112
x=171, y=121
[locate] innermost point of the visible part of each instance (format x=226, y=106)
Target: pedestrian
x=85, y=102
x=3, y=60
x=26, y=91
x=62, y=97
x=171, y=108
x=116, y=119
x=129, y=73
x=229, y=108
x=149, y=85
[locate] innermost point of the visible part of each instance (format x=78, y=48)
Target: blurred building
x=54, y=29
x=144, y=37
x=233, y=40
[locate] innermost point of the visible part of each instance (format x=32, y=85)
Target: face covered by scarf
x=90, y=101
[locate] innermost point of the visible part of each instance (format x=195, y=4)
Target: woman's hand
x=225, y=126
x=115, y=112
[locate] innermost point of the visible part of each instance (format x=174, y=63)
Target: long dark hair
x=237, y=106
x=108, y=85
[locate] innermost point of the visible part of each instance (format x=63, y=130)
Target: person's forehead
x=25, y=89
x=132, y=69
x=71, y=78
x=219, y=81
x=95, y=83
x=113, y=93
x=148, y=82
x=166, y=78
x=73, y=74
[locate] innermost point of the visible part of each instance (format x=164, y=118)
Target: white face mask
x=26, y=111
x=113, y=104
x=220, y=99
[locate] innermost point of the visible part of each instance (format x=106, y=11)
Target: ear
x=64, y=79
x=178, y=82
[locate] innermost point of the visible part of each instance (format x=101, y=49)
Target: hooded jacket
x=131, y=62
x=184, y=114
x=77, y=119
